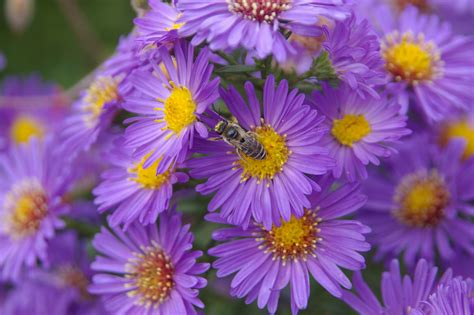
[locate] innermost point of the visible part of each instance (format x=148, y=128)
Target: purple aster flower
x=354, y=52
x=460, y=126
x=427, y=63
x=319, y=242
x=278, y=185
x=68, y=268
x=138, y=193
x=33, y=298
x=29, y=107
x=33, y=179
x=451, y=297
x=169, y=103
x=361, y=129
x=147, y=270
x=417, y=206
x=400, y=295
x=97, y=105
x=69, y=272
x=159, y=25
x=254, y=24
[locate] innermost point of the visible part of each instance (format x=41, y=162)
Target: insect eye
x=232, y=133
x=242, y=140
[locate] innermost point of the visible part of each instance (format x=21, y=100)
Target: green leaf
x=237, y=69
x=323, y=70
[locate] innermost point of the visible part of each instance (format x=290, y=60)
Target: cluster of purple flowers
x=321, y=129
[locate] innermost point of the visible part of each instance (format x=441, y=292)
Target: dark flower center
x=259, y=10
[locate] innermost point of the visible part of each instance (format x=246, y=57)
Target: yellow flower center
x=179, y=109
x=151, y=273
x=147, y=177
x=410, y=59
x=24, y=128
x=175, y=26
x=26, y=205
x=102, y=91
x=460, y=129
x=350, y=129
x=421, y=198
x=277, y=154
x=294, y=239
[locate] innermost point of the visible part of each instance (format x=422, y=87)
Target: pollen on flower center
x=179, y=109
x=147, y=177
x=151, y=273
x=277, y=154
x=102, y=91
x=259, y=10
x=26, y=205
x=410, y=58
x=24, y=128
x=461, y=129
x=294, y=239
x=350, y=129
x=421, y=198
x=175, y=26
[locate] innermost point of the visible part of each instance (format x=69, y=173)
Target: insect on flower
x=244, y=141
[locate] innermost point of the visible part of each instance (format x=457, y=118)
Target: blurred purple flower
x=361, y=129
x=416, y=206
x=98, y=104
x=427, y=64
x=319, y=243
x=33, y=298
x=29, y=107
x=33, y=180
x=147, y=270
x=278, y=185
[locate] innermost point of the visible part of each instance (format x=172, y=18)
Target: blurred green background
x=51, y=47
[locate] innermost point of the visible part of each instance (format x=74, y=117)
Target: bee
x=244, y=141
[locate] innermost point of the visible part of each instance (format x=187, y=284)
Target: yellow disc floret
x=460, y=129
x=24, y=128
x=179, y=109
x=26, y=206
x=350, y=129
x=409, y=58
x=421, y=198
x=294, y=239
x=147, y=177
x=277, y=154
x=102, y=91
x=151, y=273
